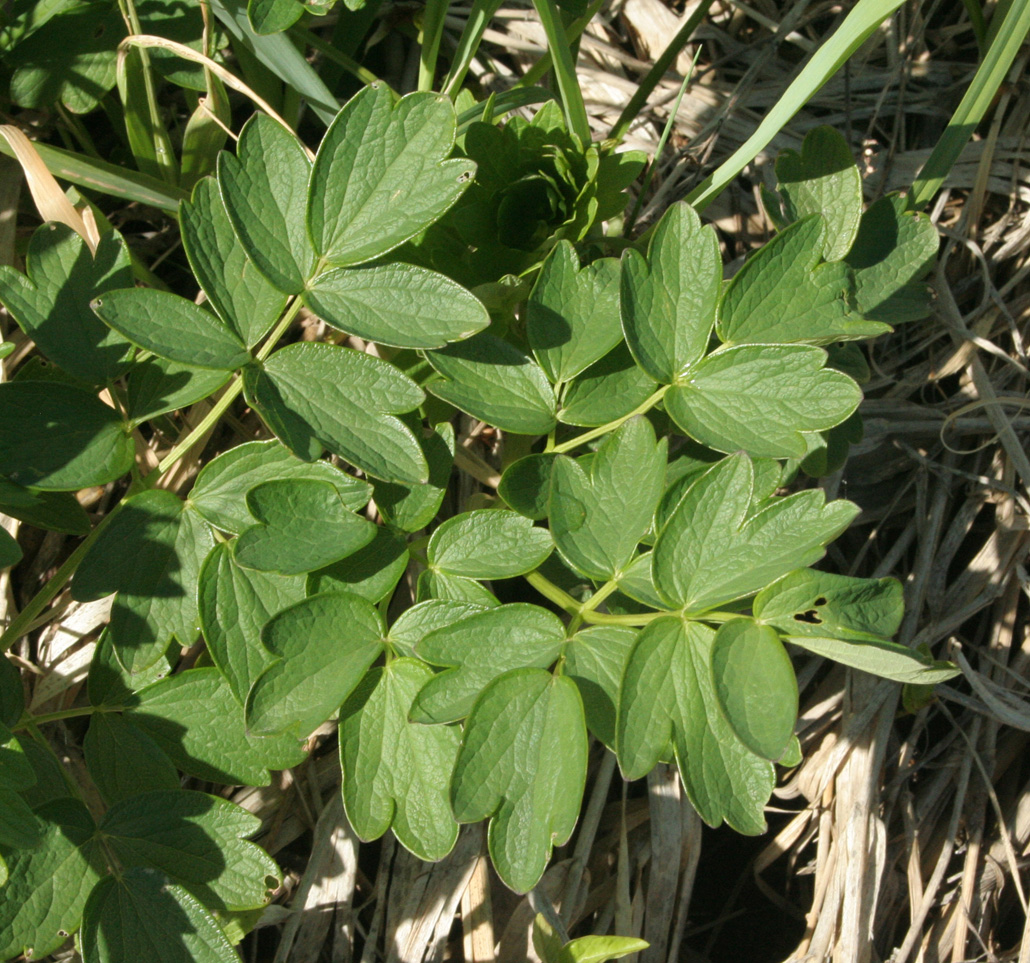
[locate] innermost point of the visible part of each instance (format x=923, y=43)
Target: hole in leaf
x=811, y=617
x=99, y=32
x=821, y=600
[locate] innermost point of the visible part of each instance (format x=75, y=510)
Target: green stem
x=27, y=720
x=331, y=53
x=549, y=590
x=646, y=405
x=564, y=70
x=591, y=603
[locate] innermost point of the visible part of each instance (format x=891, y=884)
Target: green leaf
x=714, y=548
x=477, y=649
x=172, y=328
x=414, y=624
x=273, y=16
x=667, y=706
x=762, y=398
x=51, y=303
x=56, y=511
x=523, y=763
x=637, y=582
x=397, y=304
x=195, y=839
x=755, y=686
x=781, y=296
x=195, y=719
x=157, y=386
x=598, y=949
x=495, y=381
x=302, y=525
x=371, y=572
x=381, y=175
x=15, y=770
x=395, y=773
x=235, y=604
x=889, y=660
x=572, y=316
x=221, y=488
x=237, y=290
x=150, y=554
x=12, y=695
x=437, y=585
x=820, y=604
x=316, y=396
x=60, y=438
x=526, y=485
x=824, y=180
x=411, y=507
x=142, y=915
x=893, y=252
x=669, y=300
x=10, y=550
x=546, y=941
x=265, y=188
x=595, y=659
x=47, y=886
x=111, y=684
x=19, y=828
x=488, y=544
x=123, y=760
x=609, y=389
x=316, y=667
x=599, y=516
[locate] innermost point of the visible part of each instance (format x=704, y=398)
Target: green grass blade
x=279, y=55
x=480, y=15
x=859, y=24
x=564, y=69
x=505, y=103
x=989, y=77
x=331, y=53
x=655, y=74
x=97, y=175
x=432, y=31
x=572, y=33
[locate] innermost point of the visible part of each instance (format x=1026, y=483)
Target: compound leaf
x=893, y=252
x=265, y=188
x=157, y=386
x=669, y=299
x=599, y=515
x=780, y=296
x=195, y=839
x=237, y=290
x=19, y=827
x=195, y=719
x=821, y=604
x=522, y=763
x=323, y=646
x=51, y=301
x=123, y=760
x=477, y=649
x=235, y=604
x=371, y=572
x=381, y=175
x=47, y=886
x=667, y=706
x=495, y=381
x=220, y=491
x=55, y=511
x=824, y=180
x=488, y=544
x=762, y=398
x=395, y=772
x=715, y=549
x=572, y=316
x=397, y=304
x=411, y=507
x=316, y=396
x=755, y=686
x=889, y=660
x=302, y=525
x=595, y=659
x=143, y=915
x=609, y=389
x=58, y=437
x=172, y=328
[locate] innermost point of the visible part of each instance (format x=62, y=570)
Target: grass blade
x=480, y=15
x=279, y=55
x=432, y=31
x=564, y=69
x=990, y=75
x=863, y=19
